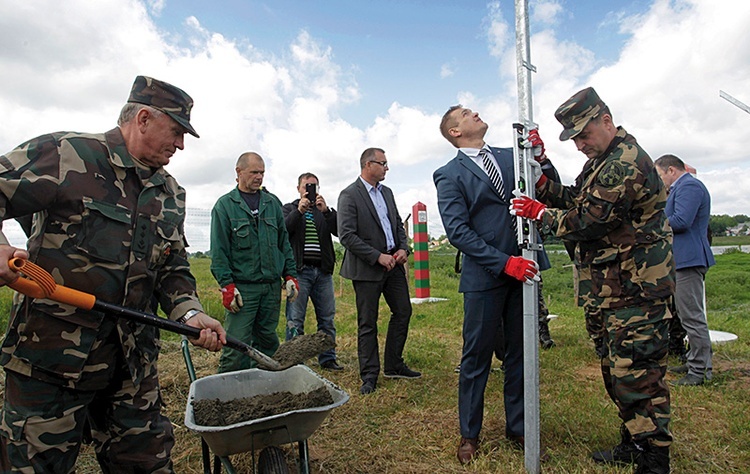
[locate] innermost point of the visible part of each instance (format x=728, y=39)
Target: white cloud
x=286, y=104
x=446, y=71
x=546, y=11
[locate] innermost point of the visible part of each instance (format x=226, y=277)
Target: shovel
x=40, y=284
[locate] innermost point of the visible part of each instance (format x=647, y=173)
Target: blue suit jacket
x=477, y=221
x=689, y=209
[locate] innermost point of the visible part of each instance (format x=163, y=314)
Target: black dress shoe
x=403, y=373
x=331, y=365
x=689, y=380
x=368, y=386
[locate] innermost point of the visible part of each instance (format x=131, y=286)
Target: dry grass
x=412, y=426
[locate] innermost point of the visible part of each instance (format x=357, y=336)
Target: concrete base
x=721, y=337
x=427, y=300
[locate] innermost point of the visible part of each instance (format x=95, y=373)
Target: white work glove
x=291, y=285
x=536, y=171
x=231, y=298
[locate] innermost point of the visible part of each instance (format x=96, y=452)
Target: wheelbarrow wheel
x=272, y=461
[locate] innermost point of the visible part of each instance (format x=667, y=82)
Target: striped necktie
x=492, y=172
x=496, y=178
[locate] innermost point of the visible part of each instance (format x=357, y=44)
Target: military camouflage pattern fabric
x=613, y=223
x=106, y=225
x=171, y=100
x=633, y=372
x=131, y=437
x=614, y=216
x=578, y=111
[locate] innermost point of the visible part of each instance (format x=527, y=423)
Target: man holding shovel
x=108, y=219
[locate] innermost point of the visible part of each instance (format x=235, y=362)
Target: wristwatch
x=186, y=317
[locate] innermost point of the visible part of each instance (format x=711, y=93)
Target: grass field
x=412, y=426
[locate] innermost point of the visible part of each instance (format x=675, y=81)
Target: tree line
x=719, y=225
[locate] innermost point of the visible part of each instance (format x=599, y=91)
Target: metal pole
x=734, y=101
x=527, y=240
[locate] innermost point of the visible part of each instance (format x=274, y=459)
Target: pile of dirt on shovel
x=213, y=412
x=299, y=349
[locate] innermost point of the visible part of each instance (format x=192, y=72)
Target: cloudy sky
x=309, y=84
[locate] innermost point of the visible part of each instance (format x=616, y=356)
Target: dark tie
x=492, y=172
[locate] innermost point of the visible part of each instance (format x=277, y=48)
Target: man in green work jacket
x=250, y=253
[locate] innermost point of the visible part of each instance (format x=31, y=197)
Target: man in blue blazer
x=474, y=211
x=371, y=231
x=689, y=210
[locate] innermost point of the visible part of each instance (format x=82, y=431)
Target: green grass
x=412, y=426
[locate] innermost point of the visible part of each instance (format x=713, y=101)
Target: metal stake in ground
x=527, y=240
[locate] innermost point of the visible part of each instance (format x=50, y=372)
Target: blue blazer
x=477, y=220
x=689, y=209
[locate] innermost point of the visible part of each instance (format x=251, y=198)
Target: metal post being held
x=527, y=240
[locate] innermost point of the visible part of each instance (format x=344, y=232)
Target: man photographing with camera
x=310, y=223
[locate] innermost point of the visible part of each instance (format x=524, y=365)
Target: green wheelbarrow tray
x=284, y=428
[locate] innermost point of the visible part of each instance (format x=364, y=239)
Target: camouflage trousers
x=43, y=426
x=633, y=372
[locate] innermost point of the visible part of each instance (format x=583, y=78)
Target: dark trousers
x=395, y=289
x=485, y=314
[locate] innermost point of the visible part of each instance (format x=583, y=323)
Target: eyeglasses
x=384, y=164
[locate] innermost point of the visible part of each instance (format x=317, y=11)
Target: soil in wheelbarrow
x=213, y=412
x=296, y=351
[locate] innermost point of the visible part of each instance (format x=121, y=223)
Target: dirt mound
x=296, y=351
x=213, y=412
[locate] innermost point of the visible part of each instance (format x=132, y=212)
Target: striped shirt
x=311, y=255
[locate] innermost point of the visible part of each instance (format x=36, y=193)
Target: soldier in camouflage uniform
x=108, y=220
x=622, y=245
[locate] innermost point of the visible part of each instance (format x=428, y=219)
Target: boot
x=653, y=460
x=624, y=453
x=544, y=337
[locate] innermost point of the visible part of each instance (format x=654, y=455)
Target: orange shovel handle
x=40, y=284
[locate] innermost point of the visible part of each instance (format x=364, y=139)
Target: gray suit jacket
x=361, y=234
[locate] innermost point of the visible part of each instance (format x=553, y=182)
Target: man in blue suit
x=474, y=212
x=689, y=209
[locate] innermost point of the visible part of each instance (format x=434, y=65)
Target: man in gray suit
x=371, y=231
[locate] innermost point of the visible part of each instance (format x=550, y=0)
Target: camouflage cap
x=165, y=97
x=578, y=111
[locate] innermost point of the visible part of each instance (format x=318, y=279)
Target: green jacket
x=105, y=225
x=245, y=249
x=613, y=223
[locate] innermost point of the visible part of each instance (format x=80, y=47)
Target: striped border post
x=421, y=259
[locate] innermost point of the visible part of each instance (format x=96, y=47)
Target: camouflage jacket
x=103, y=224
x=613, y=223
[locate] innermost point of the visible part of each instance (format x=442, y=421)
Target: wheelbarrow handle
x=43, y=286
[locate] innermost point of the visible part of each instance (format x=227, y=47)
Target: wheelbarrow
x=264, y=434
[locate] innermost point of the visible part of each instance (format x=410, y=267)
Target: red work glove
x=522, y=269
x=535, y=141
x=231, y=298
x=524, y=206
x=291, y=285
